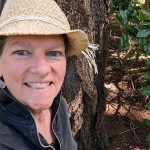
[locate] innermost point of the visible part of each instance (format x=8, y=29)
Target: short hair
x=2, y=43
x=66, y=42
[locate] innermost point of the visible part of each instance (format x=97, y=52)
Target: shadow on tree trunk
x=84, y=90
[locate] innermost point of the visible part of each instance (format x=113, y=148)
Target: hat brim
x=77, y=39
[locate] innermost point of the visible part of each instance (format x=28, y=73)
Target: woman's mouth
x=37, y=85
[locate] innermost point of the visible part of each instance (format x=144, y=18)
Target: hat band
x=35, y=18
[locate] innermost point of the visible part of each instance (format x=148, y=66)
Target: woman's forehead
x=27, y=40
x=34, y=37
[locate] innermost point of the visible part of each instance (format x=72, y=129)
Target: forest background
x=128, y=76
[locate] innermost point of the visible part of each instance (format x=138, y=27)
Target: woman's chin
x=37, y=107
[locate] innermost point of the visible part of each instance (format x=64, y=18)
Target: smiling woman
x=33, y=68
x=34, y=44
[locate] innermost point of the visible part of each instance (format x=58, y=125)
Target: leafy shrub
x=134, y=22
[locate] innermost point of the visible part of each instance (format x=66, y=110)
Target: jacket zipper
x=38, y=134
x=52, y=130
x=53, y=125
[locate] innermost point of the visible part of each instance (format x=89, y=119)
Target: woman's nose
x=40, y=66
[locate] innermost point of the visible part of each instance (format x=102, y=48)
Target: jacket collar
x=19, y=117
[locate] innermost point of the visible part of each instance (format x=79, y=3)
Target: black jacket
x=18, y=130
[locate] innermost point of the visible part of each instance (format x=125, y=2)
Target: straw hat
x=40, y=17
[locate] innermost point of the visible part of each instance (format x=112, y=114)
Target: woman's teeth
x=38, y=85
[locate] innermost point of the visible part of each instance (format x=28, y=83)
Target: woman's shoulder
x=8, y=135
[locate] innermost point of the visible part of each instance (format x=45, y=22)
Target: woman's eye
x=22, y=52
x=55, y=54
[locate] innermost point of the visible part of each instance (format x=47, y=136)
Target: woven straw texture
x=40, y=17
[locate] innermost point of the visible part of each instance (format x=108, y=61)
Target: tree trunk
x=83, y=90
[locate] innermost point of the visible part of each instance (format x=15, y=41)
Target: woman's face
x=33, y=68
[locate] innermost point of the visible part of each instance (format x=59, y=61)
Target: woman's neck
x=43, y=122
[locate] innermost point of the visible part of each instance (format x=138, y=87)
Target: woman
x=35, y=40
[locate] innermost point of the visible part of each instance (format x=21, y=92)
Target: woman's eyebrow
x=23, y=44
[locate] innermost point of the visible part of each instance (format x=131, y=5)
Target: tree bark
x=83, y=90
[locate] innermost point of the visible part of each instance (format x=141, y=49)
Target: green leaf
x=134, y=20
x=147, y=75
x=143, y=33
x=145, y=90
x=124, y=41
x=131, y=30
x=143, y=14
x=146, y=122
x=145, y=25
x=144, y=45
x=148, y=49
x=122, y=17
x=148, y=105
x=130, y=11
x=148, y=138
x=121, y=4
